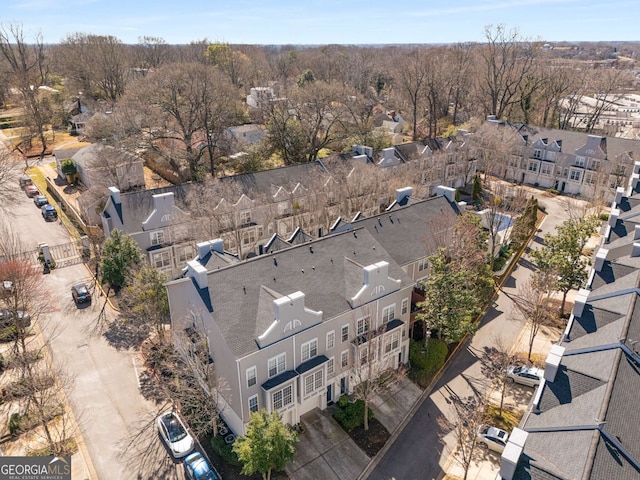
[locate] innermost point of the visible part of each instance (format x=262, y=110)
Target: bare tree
x=494, y=362
x=371, y=369
x=413, y=77
x=464, y=418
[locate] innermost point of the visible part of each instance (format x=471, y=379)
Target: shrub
x=604, y=217
x=343, y=401
x=68, y=167
x=352, y=415
x=224, y=450
x=15, y=422
x=430, y=360
x=553, y=191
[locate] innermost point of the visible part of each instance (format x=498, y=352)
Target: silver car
x=175, y=434
x=531, y=376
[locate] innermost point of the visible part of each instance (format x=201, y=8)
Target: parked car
x=525, y=375
x=7, y=318
x=31, y=190
x=6, y=289
x=196, y=467
x=492, y=438
x=25, y=180
x=175, y=434
x=40, y=200
x=49, y=212
x=80, y=293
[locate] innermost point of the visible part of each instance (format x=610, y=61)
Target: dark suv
x=49, y=213
x=80, y=293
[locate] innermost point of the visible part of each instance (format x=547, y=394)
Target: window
x=589, y=178
x=595, y=164
x=575, y=176
x=533, y=167
x=157, y=238
x=331, y=339
x=161, y=259
x=184, y=253
x=368, y=353
x=422, y=264
x=253, y=403
x=251, y=376
x=309, y=349
x=277, y=365
x=344, y=332
x=405, y=306
x=313, y=382
x=537, y=154
x=344, y=358
x=331, y=366
x=245, y=217
x=546, y=169
x=388, y=313
x=362, y=326
x=580, y=161
x=565, y=173
x=391, y=342
x=249, y=237
x=282, y=398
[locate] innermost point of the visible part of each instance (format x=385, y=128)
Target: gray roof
x=88, y=155
x=411, y=232
x=242, y=294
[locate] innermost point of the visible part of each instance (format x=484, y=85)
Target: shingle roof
x=325, y=282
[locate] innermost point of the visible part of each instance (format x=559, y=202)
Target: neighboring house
x=245, y=135
x=102, y=165
x=571, y=162
x=154, y=221
x=583, y=420
x=285, y=329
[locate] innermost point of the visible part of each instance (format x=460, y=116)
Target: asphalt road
x=116, y=422
x=417, y=453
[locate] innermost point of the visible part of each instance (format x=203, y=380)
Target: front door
x=329, y=394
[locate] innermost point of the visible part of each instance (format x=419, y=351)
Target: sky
x=320, y=22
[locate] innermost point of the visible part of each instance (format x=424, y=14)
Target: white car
x=531, y=376
x=492, y=438
x=175, y=434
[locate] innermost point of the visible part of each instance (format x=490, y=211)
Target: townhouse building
x=570, y=162
x=285, y=329
x=583, y=421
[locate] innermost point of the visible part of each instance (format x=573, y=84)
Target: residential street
x=418, y=453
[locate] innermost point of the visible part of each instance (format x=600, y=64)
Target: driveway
x=419, y=452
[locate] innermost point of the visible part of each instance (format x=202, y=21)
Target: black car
x=40, y=200
x=80, y=293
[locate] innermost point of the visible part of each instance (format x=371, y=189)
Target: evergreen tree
x=267, y=446
x=120, y=257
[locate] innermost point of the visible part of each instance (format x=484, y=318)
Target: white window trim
x=342, y=355
x=255, y=376
x=317, y=382
x=342, y=333
x=275, y=360
x=404, y=307
x=257, y=403
x=390, y=312
x=284, y=405
x=308, y=345
x=332, y=363
x=157, y=237
x=363, y=328
x=332, y=335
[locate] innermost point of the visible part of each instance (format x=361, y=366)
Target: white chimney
x=448, y=192
x=217, y=245
x=635, y=251
x=634, y=180
x=636, y=167
x=203, y=249
x=511, y=453
x=197, y=271
x=388, y=153
x=613, y=217
x=619, y=194
x=402, y=193
x=115, y=195
x=601, y=256
x=552, y=364
x=580, y=302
